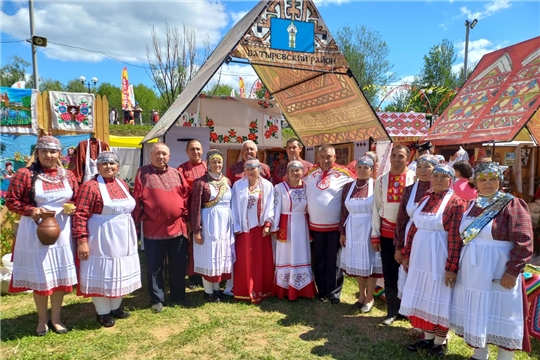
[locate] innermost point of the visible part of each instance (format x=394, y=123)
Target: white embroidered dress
x=293, y=256
x=215, y=256
x=45, y=267
x=358, y=257
x=425, y=294
x=483, y=311
x=112, y=269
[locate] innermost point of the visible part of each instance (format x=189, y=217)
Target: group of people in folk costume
x=446, y=263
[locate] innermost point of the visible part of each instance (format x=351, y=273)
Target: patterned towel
x=532, y=285
x=72, y=111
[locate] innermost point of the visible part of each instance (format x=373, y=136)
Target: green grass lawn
x=275, y=329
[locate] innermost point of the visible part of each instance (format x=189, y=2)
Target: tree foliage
x=174, y=63
x=147, y=99
x=50, y=85
x=113, y=94
x=14, y=70
x=219, y=90
x=367, y=54
x=76, y=86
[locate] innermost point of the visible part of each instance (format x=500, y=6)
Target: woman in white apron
x=293, y=276
x=212, y=225
x=358, y=258
x=106, y=241
x=49, y=270
x=409, y=202
x=431, y=259
x=487, y=304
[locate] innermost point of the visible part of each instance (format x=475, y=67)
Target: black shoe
x=192, y=287
x=58, y=331
x=185, y=303
x=335, y=300
x=213, y=297
x=438, y=350
x=321, y=298
x=120, y=313
x=357, y=306
x=420, y=344
x=220, y=294
x=42, y=333
x=105, y=320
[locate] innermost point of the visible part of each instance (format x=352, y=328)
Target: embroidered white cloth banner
x=18, y=111
x=72, y=111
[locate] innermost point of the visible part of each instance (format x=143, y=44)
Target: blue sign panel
x=292, y=35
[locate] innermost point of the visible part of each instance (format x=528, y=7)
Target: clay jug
x=48, y=229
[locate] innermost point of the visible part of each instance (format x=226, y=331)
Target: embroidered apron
x=112, y=269
x=410, y=208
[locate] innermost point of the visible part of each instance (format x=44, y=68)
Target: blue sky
x=122, y=30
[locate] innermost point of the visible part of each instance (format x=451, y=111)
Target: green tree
x=13, y=71
x=367, y=54
x=219, y=90
x=50, y=85
x=77, y=86
x=147, y=99
x=113, y=94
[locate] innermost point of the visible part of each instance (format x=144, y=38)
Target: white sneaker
x=228, y=293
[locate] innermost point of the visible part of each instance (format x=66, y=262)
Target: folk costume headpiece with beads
x=365, y=160
x=252, y=163
x=428, y=158
x=444, y=169
x=295, y=164
x=48, y=142
x=213, y=154
x=486, y=170
x=107, y=157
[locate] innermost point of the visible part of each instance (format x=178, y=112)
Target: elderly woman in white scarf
x=253, y=215
x=488, y=300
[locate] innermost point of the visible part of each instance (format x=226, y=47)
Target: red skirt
x=254, y=266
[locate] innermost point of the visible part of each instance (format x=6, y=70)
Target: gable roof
x=500, y=99
x=308, y=77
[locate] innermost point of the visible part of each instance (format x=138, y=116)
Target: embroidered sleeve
x=17, y=196
x=519, y=229
x=88, y=202
x=402, y=219
x=344, y=211
x=452, y=219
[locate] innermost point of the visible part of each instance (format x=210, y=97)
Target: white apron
x=112, y=269
x=90, y=166
x=425, y=294
x=293, y=257
x=410, y=208
x=45, y=267
x=358, y=257
x=483, y=311
x=214, y=257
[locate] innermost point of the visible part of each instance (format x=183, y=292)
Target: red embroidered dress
x=44, y=269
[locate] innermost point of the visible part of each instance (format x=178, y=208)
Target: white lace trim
x=361, y=272
x=481, y=341
x=111, y=292
x=49, y=285
x=213, y=272
x=422, y=314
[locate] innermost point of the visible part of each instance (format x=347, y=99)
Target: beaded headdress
x=107, y=157
x=252, y=162
x=365, y=160
x=295, y=164
x=428, y=158
x=486, y=170
x=213, y=153
x=48, y=142
x=440, y=157
x=444, y=169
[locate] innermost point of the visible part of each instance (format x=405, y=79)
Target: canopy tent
x=404, y=127
x=300, y=65
x=499, y=101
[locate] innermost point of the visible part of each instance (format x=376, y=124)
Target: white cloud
x=236, y=17
x=489, y=9
x=230, y=75
x=119, y=28
x=320, y=3
x=477, y=49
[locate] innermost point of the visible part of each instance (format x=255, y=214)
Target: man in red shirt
x=192, y=169
x=236, y=171
x=161, y=196
x=294, y=149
